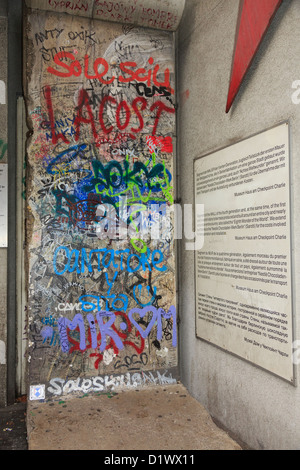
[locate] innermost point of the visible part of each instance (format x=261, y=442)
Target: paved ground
x=13, y=432
x=156, y=418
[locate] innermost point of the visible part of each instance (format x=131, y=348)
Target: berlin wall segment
x=101, y=106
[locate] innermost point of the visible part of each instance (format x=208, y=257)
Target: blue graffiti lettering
x=66, y=260
x=135, y=315
x=92, y=302
x=63, y=324
x=139, y=287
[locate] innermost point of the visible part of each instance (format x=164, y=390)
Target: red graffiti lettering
x=160, y=108
x=123, y=114
x=129, y=70
x=136, y=109
x=123, y=106
x=83, y=101
x=101, y=113
x=55, y=136
x=139, y=348
x=165, y=144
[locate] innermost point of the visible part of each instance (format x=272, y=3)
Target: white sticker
x=2, y=353
x=2, y=92
x=37, y=392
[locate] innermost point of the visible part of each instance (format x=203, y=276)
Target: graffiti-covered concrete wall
x=100, y=103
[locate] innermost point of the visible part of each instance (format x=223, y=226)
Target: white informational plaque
x=243, y=271
x=3, y=205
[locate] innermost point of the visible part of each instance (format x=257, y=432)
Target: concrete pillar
x=3, y=161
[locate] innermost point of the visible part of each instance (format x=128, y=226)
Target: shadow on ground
x=13, y=432
x=149, y=419
x=155, y=418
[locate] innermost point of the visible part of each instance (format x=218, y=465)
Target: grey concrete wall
x=260, y=408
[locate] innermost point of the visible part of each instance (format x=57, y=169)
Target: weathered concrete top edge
x=156, y=14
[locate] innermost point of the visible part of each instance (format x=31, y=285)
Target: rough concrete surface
x=13, y=435
x=156, y=418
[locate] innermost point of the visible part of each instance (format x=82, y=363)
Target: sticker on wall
x=3, y=203
x=37, y=392
x=2, y=353
x=2, y=92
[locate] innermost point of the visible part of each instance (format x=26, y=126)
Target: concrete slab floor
x=13, y=433
x=153, y=418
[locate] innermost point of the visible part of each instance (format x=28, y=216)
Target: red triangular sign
x=255, y=18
